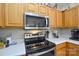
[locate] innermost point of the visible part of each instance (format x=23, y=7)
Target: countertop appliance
x=35, y=21
x=37, y=45
x=75, y=34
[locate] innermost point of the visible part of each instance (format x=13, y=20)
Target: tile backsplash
x=19, y=33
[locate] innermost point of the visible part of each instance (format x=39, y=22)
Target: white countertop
x=13, y=50
x=62, y=40
x=19, y=48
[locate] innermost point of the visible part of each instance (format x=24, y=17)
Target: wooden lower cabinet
x=60, y=49
x=61, y=52
x=72, y=49
x=77, y=50
x=67, y=49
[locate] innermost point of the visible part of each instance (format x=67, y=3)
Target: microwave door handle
x=46, y=22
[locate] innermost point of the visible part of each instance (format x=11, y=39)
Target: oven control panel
x=31, y=35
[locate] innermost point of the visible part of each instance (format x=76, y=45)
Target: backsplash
x=19, y=33
x=16, y=33
x=62, y=33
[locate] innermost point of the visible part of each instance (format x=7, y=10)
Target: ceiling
x=61, y=6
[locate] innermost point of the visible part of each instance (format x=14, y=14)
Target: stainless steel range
x=37, y=45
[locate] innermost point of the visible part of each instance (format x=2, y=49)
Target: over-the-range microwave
x=35, y=21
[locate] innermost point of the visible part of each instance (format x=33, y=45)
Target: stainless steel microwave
x=35, y=21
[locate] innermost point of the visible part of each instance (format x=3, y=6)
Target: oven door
x=49, y=52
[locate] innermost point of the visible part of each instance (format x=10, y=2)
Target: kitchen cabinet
x=67, y=49
x=59, y=19
x=61, y=49
x=55, y=18
x=68, y=19
x=31, y=8
x=77, y=46
x=71, y=18
x=52, y=18
x=43, y=10
x=1, y=15
x=77, y=15
x=72, y=49
x=14, y=14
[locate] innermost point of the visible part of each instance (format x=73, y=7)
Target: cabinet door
x=72, y=49
x=1, y=14
x=74, y=17
x=70, y=18
x=31, y=7
x=59, y=19
x=42, y=10
x=61, y=52
x=72, y=52
x=52, y=17
x=61, y=49
x=77, y=50
x=14, y=14
x=77, y=15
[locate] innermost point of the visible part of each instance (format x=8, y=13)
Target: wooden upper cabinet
x=55, y=18
x=42, y=10
x=77, y=15
x=59, y=19
x=1, y=14
x=68, y=18
x=71, y=18
x=74, y=18
x=31, y=7
x=14, y=15
x=52, y=17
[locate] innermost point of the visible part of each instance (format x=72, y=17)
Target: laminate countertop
x=62, y=40
x=14, y=50
x=19, y=48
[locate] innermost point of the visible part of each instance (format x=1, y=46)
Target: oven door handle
x=40, y=53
